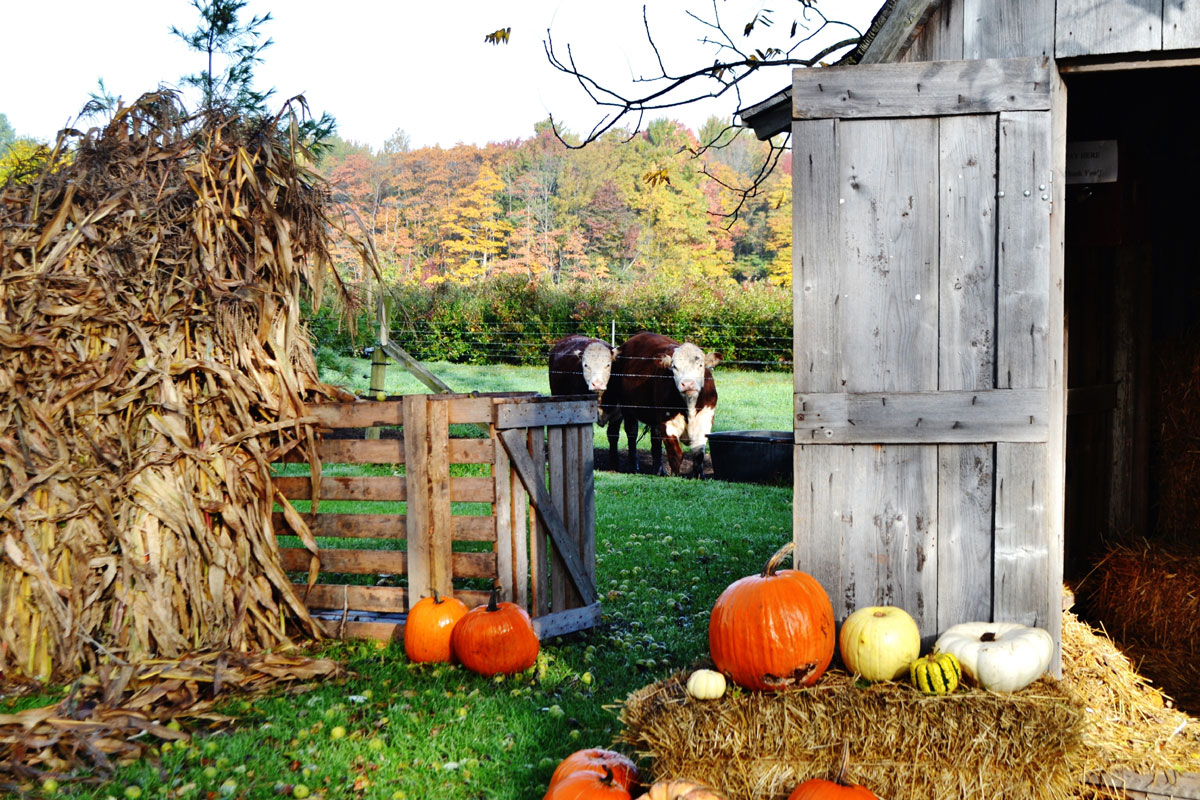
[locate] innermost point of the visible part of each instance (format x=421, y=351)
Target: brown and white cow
x=667, y=386
x=581, y=365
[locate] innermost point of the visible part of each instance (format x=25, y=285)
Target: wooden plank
x=392, y=599
x=889, y=207
x=556, y=491
x=386, y=526
x=822, y=519
x=1181, y=25
x=385, y=562
x=1007, y=29
x=1123, y=63
x=539, y=534
x=571, y=620
x=921, y=89
x=523, y=537
x=1021, y=557
x=391, y=451
x=966, y=363
x=358, y=413
x=922, y=417
x=426, y=377
x=344, y=487
x=573, y=511
x=547, y=512
x=1180, y=785
x=1096, y=27
x=537, y=412
x=418, y=520
x=466, y=409
x=441, y=524
x=380, y=631
x=502, y=511
x=898, y=31
x=941, y=37
x=816, y=258
x=587, y=500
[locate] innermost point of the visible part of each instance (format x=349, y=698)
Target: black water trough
x=751, y=456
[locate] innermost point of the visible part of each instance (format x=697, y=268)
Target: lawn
x=666, y=547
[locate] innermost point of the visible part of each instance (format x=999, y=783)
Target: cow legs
x=697, y=456
x=674, y=455
x=631, y=429
x=614, y=442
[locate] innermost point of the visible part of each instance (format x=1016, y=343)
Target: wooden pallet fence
x=541, y=524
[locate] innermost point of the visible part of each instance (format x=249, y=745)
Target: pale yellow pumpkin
x=879, y=642
x=706, y=684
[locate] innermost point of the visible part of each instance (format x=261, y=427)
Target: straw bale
x=153, y=363
x=1041, y=742
x=1176, y=376
x=1145, y=592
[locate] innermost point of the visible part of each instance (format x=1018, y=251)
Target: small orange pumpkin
x=587, y=786
x=428, y=626
x=495, y=639
x=774, y=630
x=596, y=759
x=836, y=789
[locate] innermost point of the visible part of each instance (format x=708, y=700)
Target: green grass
x=665, y=549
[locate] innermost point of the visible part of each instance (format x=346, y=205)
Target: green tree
x=7, y=134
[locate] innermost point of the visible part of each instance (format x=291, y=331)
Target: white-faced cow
x=581, y=365
x=668, y=387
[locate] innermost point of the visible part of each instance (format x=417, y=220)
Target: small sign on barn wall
x=1092, y=162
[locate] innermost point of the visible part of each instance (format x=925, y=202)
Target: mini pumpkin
x=774, y=630
x=999, y=656
x=428, y=626
x=936, y=673
x=587, y=786
x=879, y=642
x=596, y=759
x=495, y=639
x=706, y=684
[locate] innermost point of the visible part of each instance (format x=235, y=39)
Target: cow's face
x=596, y=360
x=687, y=368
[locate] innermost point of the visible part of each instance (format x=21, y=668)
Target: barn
x=991, y=264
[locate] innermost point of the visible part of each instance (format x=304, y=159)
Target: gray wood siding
x=1181, y=24
x=924, y=353
x=1103, y=27
x=1007, y=29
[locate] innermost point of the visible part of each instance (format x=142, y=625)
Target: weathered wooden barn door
x=929, y=338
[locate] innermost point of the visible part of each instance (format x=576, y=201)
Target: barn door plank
x=441, y=522
x=966, y=361
x=1021, y=547
x=1007, y=29
x=417, y=517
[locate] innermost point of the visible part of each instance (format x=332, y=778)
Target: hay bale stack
x=1051, y=740
x=1177, y=430
x=902, y=744
x=153, y=363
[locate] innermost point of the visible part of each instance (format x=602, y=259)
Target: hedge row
x=511, y=321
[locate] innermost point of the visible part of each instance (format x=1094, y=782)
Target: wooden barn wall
x=974, y=29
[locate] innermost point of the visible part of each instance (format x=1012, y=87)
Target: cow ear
x=665, y=359
x=577, y=353
x=712, y=359
x=616, y=351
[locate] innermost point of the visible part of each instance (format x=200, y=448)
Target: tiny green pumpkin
x=936, y=673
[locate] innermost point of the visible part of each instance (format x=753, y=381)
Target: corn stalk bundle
x=153, y=364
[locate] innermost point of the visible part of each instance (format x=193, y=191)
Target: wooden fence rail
x=538, y=490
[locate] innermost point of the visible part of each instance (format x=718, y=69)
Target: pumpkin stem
x=988, y=637
x=437, y=600
x=608, y=778
x=773, y=561
x=840, y=780
x=492, y=600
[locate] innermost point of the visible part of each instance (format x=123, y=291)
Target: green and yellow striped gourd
x=936, y=673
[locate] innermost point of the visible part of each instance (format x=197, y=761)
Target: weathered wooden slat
x=816, y=258
x=384, y=562
x=921, y=89
x=415, y=367
x=1155, y=786
x=393, y=599
x=391, y=451
x=344, y=487
x=418, y=520
x=1096, y=27
x=539, y=534
x=437, y=471
x=586, y=497
x=941, y=38
x=1007, y=29
x=536, y=412
x=556, y=472
x=387, y=526
x=1181, y=25
x=502, y=512
x=383, y=631
x=466, y=409
x=898, y=31
x=966, y=362
x=524, y=535
x=996, y=415
x=560, y=623
x=358, y=413
x=514, y=442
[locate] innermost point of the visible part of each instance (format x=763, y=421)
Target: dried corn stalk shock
x=154, y=362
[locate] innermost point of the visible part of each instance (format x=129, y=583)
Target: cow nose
x=597, y=385
x=689, y=387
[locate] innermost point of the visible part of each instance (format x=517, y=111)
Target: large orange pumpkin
x=495, y=639
x=428, y=626
x=774, y=630
x=597, y=759
x=837, y=789
x=587, y=786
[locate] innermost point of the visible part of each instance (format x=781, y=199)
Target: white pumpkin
x=999, y=656
x=706, y=684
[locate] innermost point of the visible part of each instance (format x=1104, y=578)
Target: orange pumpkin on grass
x=428, y=626
x=495, y=639
x=597, y=759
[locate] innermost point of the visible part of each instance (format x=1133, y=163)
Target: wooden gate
x=536, y=541
x=929, y=350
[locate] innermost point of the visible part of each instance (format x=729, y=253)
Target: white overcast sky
x=382, y=65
